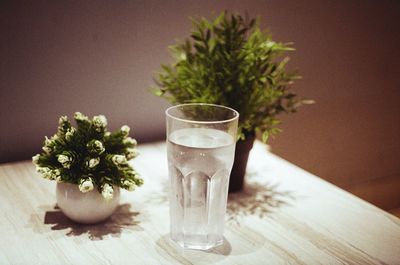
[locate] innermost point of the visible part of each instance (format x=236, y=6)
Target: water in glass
x=200, y=161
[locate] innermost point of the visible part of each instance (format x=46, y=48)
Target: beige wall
x=99, y=57
x=349, y=56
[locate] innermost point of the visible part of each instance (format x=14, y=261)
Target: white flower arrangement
x=89, y=156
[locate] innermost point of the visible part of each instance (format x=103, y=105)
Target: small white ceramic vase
x=86, y=208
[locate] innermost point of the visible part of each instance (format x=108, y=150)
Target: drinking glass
x=201, y=147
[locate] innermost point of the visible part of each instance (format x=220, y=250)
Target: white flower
x=119, y=160
x=131, y=153
x=95, y=146
x=80, y=117
x=64, y=160
x=86, y=185
x=46, y=149
x=93, y=162
x=107, y=192
x=129, y=140
x=57, y=172
x=62, y=120
x=47, y=145
x=129, y=185
x=42, y=170
x=69, y=133
x=53, y=174
x=107, y=134
x=125, y=130
x=45, y=171
x=47, y=141
x=99, y=122
x=54, y=137
x=99, y=146
x=35, y=159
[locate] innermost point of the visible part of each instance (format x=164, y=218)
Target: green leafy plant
x=89, y=156
x=232, y=62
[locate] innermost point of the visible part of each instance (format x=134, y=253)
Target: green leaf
x=158, y=92
x=232, y=61
x=265, y=136
x=196, y=36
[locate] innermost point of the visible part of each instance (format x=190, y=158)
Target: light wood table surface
x=285, y=216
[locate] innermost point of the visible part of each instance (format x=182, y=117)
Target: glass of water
x=201, y=147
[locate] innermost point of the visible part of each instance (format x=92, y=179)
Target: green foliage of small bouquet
x=230, y=61
x=89, y=156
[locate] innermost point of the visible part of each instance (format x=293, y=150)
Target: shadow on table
x=256, y=199
x=259, y=199
x=122, y=218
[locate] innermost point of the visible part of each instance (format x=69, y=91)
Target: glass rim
x=236, y=113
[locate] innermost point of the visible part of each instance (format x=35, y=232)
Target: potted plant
x=230, y=61
x=89, y=164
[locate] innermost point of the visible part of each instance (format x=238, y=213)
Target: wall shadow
x=122, y=218
x=256, y=199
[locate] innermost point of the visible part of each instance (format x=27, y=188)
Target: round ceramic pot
x=86, y=208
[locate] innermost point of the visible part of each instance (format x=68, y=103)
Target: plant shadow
x=122, y=218
x=256, y=199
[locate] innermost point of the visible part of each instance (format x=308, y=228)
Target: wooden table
x=285, y=216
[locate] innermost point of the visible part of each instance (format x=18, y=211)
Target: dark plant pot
x=242, y=151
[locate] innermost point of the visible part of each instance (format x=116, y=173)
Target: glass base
x=198, y=242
